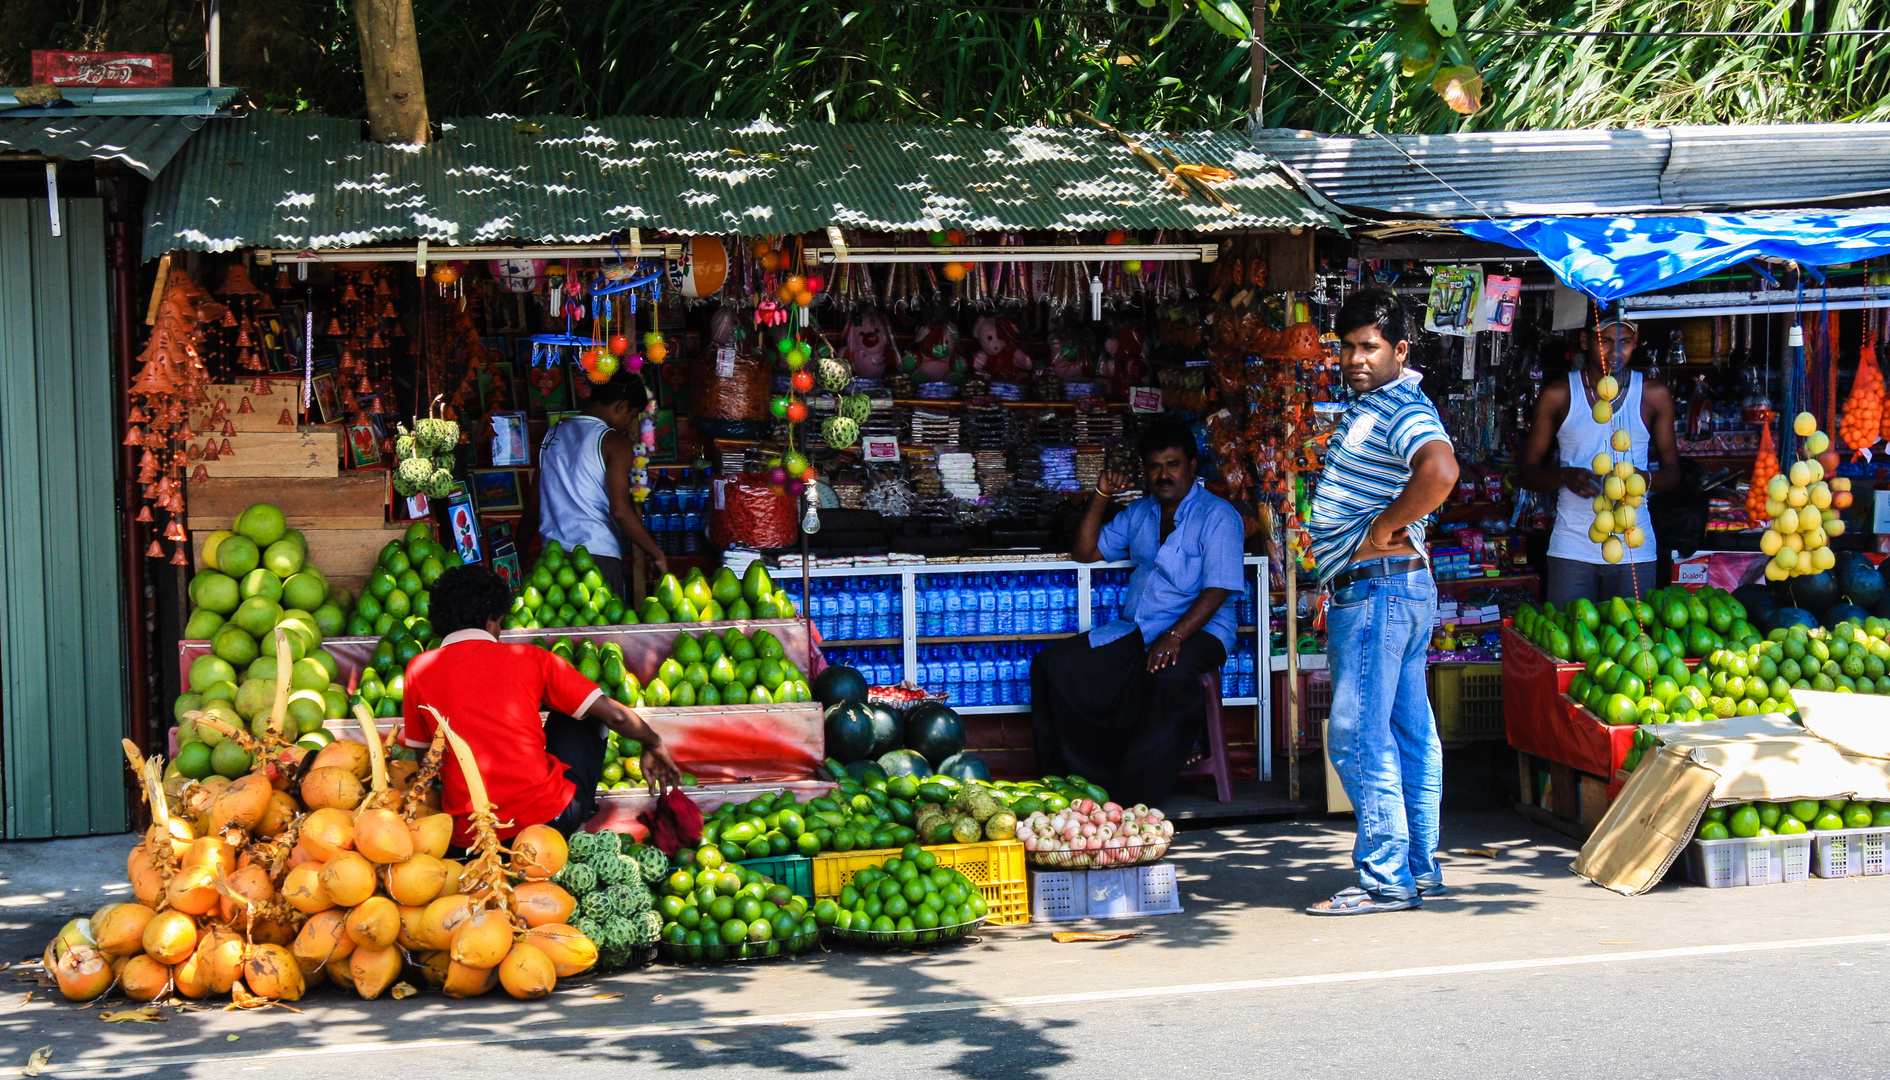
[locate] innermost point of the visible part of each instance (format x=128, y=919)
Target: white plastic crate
x=1068, y=895
x=1757, y=860
x=1851, y=853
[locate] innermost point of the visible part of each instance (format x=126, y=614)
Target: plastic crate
x=1469, y=702
x=1127, y=892
x=995, y=866
x=794, y=871
x=1850, y=853
x=1757, y=860
x=1315, y=706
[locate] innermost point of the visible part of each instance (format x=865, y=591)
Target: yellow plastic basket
x=995, y=866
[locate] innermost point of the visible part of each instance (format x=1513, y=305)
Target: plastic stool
x=1215, y=764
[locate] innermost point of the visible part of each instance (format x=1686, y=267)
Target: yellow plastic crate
x=995, y=866
x=1469, y=702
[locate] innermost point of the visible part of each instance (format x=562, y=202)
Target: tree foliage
x=982, y=62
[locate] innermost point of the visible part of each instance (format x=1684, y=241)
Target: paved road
x=1529, y=972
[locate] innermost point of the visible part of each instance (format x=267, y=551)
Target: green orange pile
x=1689, y=624
x=909, y=898
x=1752, y=819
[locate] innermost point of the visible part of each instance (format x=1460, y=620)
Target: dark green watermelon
x=934, y=730
x=1792, y=616
x=885, y=730
x=839, y=683
x=1759, y=600
x=965, y=766
x=1838, y=613
x=860, y=770
x=1860, y=579
x=905, y=763
x=1813, y=592
x=849, y=731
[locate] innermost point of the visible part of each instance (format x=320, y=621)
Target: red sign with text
x=111, y=69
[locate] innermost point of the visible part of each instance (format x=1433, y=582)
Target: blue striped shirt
x=1368, y=464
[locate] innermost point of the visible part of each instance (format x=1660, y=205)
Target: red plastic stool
x=1215, y=764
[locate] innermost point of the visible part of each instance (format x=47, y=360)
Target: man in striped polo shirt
x=1388, y=467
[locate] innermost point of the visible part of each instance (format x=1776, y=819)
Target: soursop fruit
x=577, y=878
x=834, y=375
x=651, y=861
x=436, y=436
x=856, y=407
x=840, y=432
x=412, y=475
x=440, y=484
x=404, y=447
x=600, y=905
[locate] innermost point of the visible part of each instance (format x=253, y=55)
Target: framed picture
x=496, y=490
x=510, y=444
x=328, y=397
x=505, y=562
x=364, y=446
x=546, y=389
x=665, y=436
x=464, y=522
x=409, y=508
x=286, y=325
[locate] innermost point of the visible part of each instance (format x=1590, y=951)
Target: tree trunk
x=390, y=71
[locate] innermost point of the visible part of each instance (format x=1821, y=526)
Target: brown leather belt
x=1377, y=569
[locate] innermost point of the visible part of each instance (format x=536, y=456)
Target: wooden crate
x=311, y=451
x=349, y=500
x=266, y=409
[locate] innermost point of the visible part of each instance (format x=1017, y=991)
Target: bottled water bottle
x=885, y=601
x=987, y=677
x=934, y=668
x=987, y=604
x=1039, y=605
x=849, y=609
x=829, y=600
x=954, y=622
x=1006, y=610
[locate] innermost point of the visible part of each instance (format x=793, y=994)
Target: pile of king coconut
x=325, y=867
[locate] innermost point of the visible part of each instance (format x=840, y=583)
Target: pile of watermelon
x=925, y=739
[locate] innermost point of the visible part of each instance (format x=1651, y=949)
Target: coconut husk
x=285, y=663
x=485, y=869
x=378, y=796
x=415, y=805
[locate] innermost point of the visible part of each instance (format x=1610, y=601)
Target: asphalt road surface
x=1527, y=972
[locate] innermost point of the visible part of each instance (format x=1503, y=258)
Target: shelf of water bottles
x=1109, y=591
x=677, y=508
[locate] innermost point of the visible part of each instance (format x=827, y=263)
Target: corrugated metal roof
x=1600, y=171
x=304, y=182
x=146, y=143
x=130, y=101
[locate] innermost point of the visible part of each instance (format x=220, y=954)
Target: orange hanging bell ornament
x=348, y=295
x=155, y=551
x=134, y=436
x=243, y=338
x=174, y=531
x=201, y=474
x=246, y=407
x=227, y=451
x=209, y=449
x=178, y=559
x=365, y=387
x=260, y=387
x=137, y=415
x=228, y=428
x=286, y=420
x=144, y=512
x=229, y=318
x=375, y=342
x=193, y=453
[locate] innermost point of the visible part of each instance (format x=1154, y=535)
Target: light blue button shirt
x=1203, y=552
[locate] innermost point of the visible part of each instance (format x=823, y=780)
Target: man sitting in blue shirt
x=1122, y=706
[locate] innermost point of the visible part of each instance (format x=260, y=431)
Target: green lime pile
x=398, y=586
x=247, y=702
x=566, y=590
x=1751, y=819
x=1689, y=624
x=610, y=876
x=909, y=899
x=383, y=683
x=713, y=909
x=623, y=765
x=729, y=668
x=257, y=577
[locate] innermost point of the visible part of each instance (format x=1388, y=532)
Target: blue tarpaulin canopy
x=1612, y=257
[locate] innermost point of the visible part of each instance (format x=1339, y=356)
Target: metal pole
x=213, y=32
x=1292, y=649
x=1257, y=70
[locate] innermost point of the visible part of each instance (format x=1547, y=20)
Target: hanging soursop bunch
x=856, y=407
x=834, y=375
x=404, y=447
x=840, y=432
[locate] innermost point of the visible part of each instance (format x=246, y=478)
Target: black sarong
x=1100, y=714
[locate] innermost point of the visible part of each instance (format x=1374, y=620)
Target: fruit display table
x=617, y=810
x=644, y=646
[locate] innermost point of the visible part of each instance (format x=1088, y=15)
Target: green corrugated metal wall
x=61, y=640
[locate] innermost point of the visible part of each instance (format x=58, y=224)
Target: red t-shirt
x=491, y=692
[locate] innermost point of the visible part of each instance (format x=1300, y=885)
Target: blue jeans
x=1381, y=736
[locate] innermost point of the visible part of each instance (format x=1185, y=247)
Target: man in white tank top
x=1564, y=439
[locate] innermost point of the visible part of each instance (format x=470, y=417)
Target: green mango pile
x=1689, y=624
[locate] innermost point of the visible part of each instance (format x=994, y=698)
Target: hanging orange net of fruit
x=1862, y=424
x=1764, y=468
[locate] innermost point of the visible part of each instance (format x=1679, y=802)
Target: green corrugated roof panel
x=303, y=182
x=146, y=143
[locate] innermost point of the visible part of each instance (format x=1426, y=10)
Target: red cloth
x=674, y=822
x=491, y=693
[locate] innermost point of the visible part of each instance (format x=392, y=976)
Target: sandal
x=1356, y=901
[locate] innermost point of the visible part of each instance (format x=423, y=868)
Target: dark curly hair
x=1163, y=433
x=468, y=597
x=622, y=386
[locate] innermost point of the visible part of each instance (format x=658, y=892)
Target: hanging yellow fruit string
x=1804, y=507
x=1616, y=526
